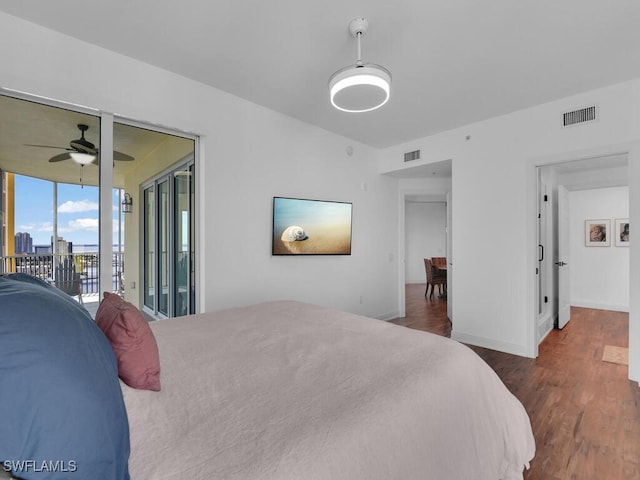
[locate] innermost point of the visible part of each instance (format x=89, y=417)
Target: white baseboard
x=599, y=306
x=491, y=344
x=388, y=316
x=544, y=335
x=545, y=325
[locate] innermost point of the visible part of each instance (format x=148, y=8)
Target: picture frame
x=311, y=227
x=597, y=233
x=621, y=232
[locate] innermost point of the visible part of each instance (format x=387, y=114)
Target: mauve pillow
x=132, y=341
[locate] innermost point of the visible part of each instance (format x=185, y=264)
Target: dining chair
x=432, y=279
x=439, y=261
x=440, y=264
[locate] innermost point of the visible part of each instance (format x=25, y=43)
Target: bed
x=287, y=390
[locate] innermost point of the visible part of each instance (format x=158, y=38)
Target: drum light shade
x=360, y=88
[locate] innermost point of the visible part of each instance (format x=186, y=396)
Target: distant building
x=64, y=247
x=42, y=249
x=23, y=243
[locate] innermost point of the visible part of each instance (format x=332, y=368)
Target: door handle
x=541, y=247
x=561, y=263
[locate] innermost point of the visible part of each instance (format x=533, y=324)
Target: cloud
x=78, y=206
x=36, y=227
x=90, y=224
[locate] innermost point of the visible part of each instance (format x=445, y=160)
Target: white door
x=564, y=309
x=449, y=260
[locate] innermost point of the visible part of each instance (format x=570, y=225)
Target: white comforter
x=286, y=390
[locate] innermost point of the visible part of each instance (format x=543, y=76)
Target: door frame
x=105, y=178
x=632, y=150
x=107, y=120
x=403, y=193
x=563, y=258
x=198, y=214
x=167, y=175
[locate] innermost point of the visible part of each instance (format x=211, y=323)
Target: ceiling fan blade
x=45, y=146
x=60, y=157
x=122, y=157
x=84, y=148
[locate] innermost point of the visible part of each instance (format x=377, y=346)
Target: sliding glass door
x=50, y=161
x=169, y=228
x=183, y=227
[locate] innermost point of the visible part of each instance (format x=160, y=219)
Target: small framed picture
x=621, y=232
x=597, y=233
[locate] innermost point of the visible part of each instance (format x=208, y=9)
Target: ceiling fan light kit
x=82, y=151
x=82, y=158
x=362, y=87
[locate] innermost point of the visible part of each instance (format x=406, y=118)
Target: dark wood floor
x=584, y=412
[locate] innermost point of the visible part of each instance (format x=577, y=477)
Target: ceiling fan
x=82, y=150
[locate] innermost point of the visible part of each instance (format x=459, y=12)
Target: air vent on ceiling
x=575, y=117
x=410, y=156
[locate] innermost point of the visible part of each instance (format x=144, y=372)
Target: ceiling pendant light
x=361, y=87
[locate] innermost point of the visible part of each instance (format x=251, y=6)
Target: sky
x=77, y=211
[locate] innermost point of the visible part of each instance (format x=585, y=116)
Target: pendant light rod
x=358, y=27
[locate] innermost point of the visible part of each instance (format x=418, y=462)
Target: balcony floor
x=91, y=302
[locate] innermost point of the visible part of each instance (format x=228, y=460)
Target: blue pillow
x=63, y=415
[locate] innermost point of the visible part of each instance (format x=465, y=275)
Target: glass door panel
x=49, y=157
x=192, y=232
x=163, y=247
x=149, y=248
x=182, y=241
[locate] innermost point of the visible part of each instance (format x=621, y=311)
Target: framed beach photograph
x=311, y=227
x=597, y=233
x=621, y=232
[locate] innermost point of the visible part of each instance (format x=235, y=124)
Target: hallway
x=428, y=314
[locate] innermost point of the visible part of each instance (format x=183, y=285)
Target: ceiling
x=453, y=62
x=32, y=133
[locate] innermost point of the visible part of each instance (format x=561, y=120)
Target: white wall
x=494, y=214
x=599, y=276
x=425, y=236
x=248, y=155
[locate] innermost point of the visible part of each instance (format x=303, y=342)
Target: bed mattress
x=287, y=390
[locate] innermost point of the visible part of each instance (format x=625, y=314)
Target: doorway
x=93, y=166
x=430, y=183
x=569, y=195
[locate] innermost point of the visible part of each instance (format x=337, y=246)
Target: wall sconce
x=127, y=203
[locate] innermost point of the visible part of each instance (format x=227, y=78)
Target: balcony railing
x=87, y=265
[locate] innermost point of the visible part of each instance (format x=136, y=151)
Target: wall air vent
x=410, y=156
x=587, y=114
